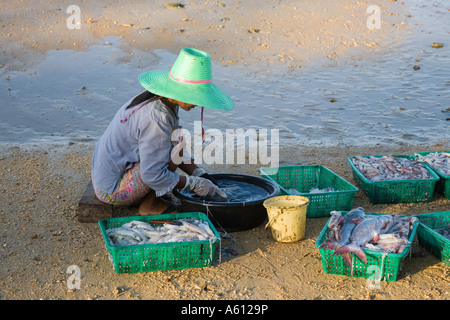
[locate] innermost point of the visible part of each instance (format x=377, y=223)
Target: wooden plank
x=91, y=209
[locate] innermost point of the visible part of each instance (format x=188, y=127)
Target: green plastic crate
x=380, y=266
x=434, y=242
x=161, y=256
x=443, y=185
x=304, y=178
x=395, y=191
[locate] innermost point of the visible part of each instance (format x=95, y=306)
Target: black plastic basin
x=232, y=216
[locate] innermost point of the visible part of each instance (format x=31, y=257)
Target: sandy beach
x=40, y=236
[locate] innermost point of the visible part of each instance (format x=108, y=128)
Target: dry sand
x=40, y=236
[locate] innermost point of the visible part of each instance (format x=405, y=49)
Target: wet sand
x=294, y=33
x=322, y=60
x=40, y=236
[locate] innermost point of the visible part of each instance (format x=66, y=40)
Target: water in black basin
x=236, y=191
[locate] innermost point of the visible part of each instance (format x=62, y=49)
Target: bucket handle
x=271, y=220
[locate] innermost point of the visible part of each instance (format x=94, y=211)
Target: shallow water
x=71, y=96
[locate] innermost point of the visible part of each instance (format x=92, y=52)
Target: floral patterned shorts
x=130, y=188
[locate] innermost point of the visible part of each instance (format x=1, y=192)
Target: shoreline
x=302, y=74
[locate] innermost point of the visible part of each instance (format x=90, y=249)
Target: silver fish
x=155, y=238
x=139, y=232
x=194, y=228
x=139, y=224
x=123, y=232
x=154, y=233
x=438, y=160
x=366, y=231
x=311, y=191
x=390, y=168
x=402, y=225
x=122, y=241
x=390, y=238
x=393, y=247
x=174, y=227
x=317, y=190
x=386, y=233
x=343, y=227
x=204, y=225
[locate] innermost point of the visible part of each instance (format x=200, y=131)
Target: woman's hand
x=203, y=187
x=200, y=172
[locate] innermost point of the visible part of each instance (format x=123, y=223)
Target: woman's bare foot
x=153, y=205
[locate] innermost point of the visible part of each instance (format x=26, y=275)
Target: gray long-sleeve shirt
x=138, y=134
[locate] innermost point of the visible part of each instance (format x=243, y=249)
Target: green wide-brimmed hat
x=189, y=81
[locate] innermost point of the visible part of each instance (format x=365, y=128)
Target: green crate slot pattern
x=380, y=266
x=304, y=178
x=162, y=256
x=443, y=185
x=395, y=191
x=432, y=241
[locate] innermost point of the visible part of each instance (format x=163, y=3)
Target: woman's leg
x=131, y=189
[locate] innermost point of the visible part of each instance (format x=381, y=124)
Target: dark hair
x=144, y=96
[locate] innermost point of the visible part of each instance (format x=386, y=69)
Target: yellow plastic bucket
x=287, y=217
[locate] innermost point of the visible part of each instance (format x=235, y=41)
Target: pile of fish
x=390, y=168
x=140, y=232
x=317, y=190
x=355, y=231
x=444, y=231
x=438, y=160
x=312, y=190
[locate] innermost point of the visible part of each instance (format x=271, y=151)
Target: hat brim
x=207, y=95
